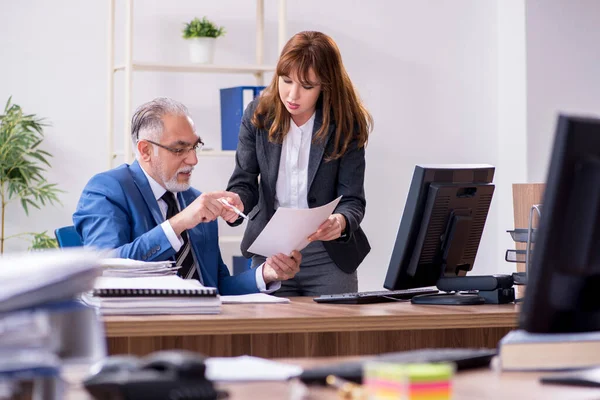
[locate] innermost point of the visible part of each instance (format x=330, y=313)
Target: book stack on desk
x=43, y=326
x=151, y=295
x=520, y=350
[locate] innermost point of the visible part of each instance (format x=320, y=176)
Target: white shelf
x=206, y=68
x=130, y=66
x=216, y=153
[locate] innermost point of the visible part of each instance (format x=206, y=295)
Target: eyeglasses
x=180, y=151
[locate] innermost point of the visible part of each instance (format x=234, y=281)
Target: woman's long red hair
x=339, y=101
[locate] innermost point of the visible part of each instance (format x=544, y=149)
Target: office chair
x=67, y=236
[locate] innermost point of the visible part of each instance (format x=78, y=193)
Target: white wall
x=563, y=59
x=512, y=117
x=431, y=73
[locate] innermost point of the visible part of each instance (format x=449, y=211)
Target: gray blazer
x=258, y=159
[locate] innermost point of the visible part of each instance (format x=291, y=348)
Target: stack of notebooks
x=151, y=295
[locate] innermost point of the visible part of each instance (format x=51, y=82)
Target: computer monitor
x=563, y=285
x=441, y=226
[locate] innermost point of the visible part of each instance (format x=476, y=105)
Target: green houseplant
x=201, y=34
x=22, y=165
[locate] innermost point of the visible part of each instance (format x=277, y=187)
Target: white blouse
x=291, y=189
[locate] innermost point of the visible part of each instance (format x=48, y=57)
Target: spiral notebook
x=152, y=295
x=151, y=286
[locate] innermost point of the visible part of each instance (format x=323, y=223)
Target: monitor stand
x=449, y=299
x=492, y=289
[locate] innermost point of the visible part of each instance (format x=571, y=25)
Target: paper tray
x=520, y=235
x=517, y=256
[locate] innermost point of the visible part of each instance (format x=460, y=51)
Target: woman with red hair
x=304, y=139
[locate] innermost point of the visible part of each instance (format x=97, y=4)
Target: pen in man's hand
x=234, y=208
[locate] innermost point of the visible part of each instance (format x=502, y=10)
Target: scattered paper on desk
x=247, y=368
x=253, y=298
x=289, y=229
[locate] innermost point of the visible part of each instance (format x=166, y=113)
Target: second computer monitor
x=441, y=226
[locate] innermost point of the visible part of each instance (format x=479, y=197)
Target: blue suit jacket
x=117, y=210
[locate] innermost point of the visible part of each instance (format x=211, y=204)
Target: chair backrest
x=67, y=236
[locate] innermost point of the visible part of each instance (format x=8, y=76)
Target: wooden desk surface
x=477, y=385
x=304, y=315
x=474, y=385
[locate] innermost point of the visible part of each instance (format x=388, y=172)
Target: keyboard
x=379, y=296
x=352, y=370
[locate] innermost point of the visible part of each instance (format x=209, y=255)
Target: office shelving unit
x=130, y=66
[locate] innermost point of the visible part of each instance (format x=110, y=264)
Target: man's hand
x=330, y=229
x=228, y=214
x=205, y=208
x=281, y=267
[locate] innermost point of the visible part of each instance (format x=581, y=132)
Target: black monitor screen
x=441, y=226
x=563, y=291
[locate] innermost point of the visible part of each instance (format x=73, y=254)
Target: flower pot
x=202, y=50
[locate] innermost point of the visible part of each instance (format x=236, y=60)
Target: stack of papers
x=42, y=323
x=126, y=267
x=36, y=278
x=27, y=328
x=152, y=295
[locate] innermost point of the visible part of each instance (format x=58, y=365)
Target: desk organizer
x=527, y=236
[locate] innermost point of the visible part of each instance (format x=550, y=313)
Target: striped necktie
x=184, y=257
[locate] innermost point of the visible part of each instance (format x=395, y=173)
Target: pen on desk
x=346, y=389
x=234, y=208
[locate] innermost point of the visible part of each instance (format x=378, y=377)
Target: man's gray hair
x=147, y=119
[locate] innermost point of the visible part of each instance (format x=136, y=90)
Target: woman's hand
x=331, y=229
x=281, y=267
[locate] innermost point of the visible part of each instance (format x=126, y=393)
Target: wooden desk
x=475, y=385
x=304, y=328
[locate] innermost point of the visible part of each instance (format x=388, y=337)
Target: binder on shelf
x=234, y=101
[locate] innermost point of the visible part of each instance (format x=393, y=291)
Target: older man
x=148, y=211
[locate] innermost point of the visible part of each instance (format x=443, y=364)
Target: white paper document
x=125, y=267
x=253, y=298
x=169, y=282
x=130, y=263
x=289, y=229
x=247, y=368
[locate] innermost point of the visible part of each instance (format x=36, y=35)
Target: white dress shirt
x=177, y=242
x=292, y=181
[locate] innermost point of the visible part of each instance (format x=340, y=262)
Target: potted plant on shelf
x=202, y=34
x=22, y=164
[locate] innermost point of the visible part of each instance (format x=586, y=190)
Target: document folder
x=234, y=101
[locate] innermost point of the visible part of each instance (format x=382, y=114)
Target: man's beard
x=171, y=183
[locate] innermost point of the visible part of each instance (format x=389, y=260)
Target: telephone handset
x=173, y=374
